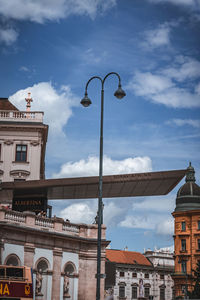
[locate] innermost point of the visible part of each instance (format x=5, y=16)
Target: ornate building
x=131, y=275
x=63, y=255
x=187, y=233
x=23, y=137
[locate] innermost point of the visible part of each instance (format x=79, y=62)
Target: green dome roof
x=188, y=196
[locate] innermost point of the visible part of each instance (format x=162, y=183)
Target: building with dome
x=186, y=233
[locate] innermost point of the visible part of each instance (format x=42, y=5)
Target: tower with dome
x=186, y=233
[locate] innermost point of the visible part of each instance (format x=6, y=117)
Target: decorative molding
x=74, y=275
x=34, y=143
x=57, y=252
x=8, y=142
x=122, y=283
x=19, y=173
x=29, y=248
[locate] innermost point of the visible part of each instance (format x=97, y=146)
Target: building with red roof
x=131, y=275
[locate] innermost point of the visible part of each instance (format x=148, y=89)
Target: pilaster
x=29, y=251
x=57, y=260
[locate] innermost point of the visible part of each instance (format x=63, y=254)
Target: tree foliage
x=195, y=294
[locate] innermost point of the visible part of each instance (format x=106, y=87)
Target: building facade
x=62, y=254
x=136, y=275
x=186, y=234
x=23, y=137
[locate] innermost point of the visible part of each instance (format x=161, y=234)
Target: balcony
x=21, y=116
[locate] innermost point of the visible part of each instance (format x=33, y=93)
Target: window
x=42, y=265
x=183, y=266
x=198, y=244
x=134, y=292
x=183, y=289
x=13, y=260
x=146, y=275
x=162, y=293
x=69, y=269
x=162, y=276
x=121, y=291
x=21, y=153
x=146, y=292
x=199, y=224
x=134, y=275
x=121, y=274
x=183, y=245
x=183, y=226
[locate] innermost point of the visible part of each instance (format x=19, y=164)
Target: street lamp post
x=86, y=102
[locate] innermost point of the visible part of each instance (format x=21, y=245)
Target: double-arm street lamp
x=86, y=102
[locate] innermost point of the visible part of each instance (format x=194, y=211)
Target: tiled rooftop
x=127, y=257
x=5, y=104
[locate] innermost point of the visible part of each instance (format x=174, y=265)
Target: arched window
x=69, y=269
x=13, y=260
x=42, y=265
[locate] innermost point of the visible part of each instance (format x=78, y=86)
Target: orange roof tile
x=127, y=257
x=5, y=104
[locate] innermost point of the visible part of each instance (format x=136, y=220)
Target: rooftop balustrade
x=55, y=224
x=21, y=116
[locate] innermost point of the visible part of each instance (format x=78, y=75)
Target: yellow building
x=186, y=233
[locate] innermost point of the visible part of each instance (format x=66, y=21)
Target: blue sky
x=51, y=48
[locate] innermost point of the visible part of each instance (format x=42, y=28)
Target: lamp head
x=119, y=94
x=86, y=101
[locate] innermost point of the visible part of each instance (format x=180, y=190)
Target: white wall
x=13, y=249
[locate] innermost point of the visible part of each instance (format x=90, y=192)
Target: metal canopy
x=126, y=185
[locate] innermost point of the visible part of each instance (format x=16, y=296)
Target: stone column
x=29, y=251
x=57, y=260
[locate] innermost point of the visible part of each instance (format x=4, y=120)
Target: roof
x=5, y=104
x=188, y=196
x=127, y=257
x=125, y=185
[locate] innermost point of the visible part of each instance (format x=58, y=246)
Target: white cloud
x=111, y=212
x=157, y=37
x=90, y=166
x=143, y=222
x=150, y=84
x=184, y=68
x=56, y=103
x=86, y=211
x=25, y=69
x=165, y=227
x=8, y=36
x=173, y=86
x=93, y=56
x=156, y=204
x=183, y=122
x=42, y=10
x=162, y=224
x=79, y=213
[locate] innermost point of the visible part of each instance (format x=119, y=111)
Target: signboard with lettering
x=16, y=289
x=30, y=200
x=30, y=204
